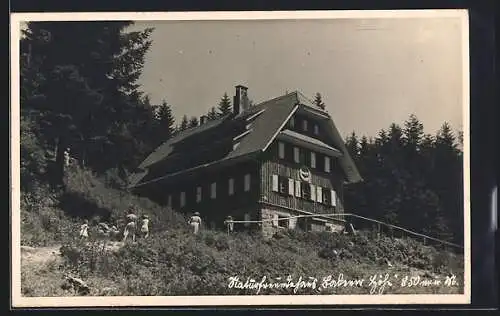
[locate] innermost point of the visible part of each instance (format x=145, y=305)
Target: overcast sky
x=370, y=72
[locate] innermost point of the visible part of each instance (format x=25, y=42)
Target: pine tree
x=81, y=79
x=318, y=100
x=352, y=145
x=193, y=122
x=212, y=114
x=224, y=106
x=166, y=121
x=413, y=132
x=184, y=123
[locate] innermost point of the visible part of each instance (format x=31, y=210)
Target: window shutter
x=319, y=194
x=313, y=159
x=281, y=150
x=231, y=186
x=247, y=182
x=327, y=164
x=297, y=188
x=296, y=154
x=275, y=220
x=290, y=186
x=313, y=192
x=275, y=183
x=334, y=198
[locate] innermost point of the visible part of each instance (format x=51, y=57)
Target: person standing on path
x=145, y=226
x=131, y=225
x=229, y=224
x=84, y=230
x=195, y=222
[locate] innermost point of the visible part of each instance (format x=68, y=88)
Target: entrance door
x=303, y=223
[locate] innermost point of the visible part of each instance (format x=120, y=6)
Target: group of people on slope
x=195, y=222
x=130, y=228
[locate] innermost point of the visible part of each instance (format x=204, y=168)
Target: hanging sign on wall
x=305, y=174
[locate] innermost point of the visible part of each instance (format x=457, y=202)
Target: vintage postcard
x=240, y=158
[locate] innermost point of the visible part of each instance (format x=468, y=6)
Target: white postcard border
x=266, y=300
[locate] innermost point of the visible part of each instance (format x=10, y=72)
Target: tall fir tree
x=352, y=144
x=318, y=100
x=212, y=114
x=166, y=121
x=184, y=123
x=85, y=92
x=224, y=106
x=193, y=122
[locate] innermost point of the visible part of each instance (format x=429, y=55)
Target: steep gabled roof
x=265, y=121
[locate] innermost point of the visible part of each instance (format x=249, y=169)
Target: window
x=198, y=194
x=213, y=190
x=327, y=197
x=281, y=150
x=304, y=159
x=313, y=159
x=305, y=190
x=231, y=186
x=290, y=187
x=283, y=221
x=304, y=125
x=283, y=185
x=169, y=201
x=316, y=129
x=297, y=188
x=327, y=164
x=296, y=154
x=292, y=122
x=319, y=194
x=247, y=183
x=183, y=199
x=313, y=192
x=333, y=198
x=275, y=185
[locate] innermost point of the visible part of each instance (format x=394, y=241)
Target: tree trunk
x=59, y=167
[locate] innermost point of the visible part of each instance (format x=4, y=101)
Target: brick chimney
x=203, y=119
x=240, y=102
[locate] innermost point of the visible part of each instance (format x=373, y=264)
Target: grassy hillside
x=174, y=262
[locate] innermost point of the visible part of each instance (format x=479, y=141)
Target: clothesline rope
x=347, y=215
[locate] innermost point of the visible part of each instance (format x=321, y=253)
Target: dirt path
x=40, y=255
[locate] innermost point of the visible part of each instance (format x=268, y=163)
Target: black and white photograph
x=240, y=158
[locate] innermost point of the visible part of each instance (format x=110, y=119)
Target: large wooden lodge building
x=273, y=160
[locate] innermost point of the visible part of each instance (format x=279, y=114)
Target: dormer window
x=316, y=129
x=291, y=123
x=281, y=150
x=304, y=125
